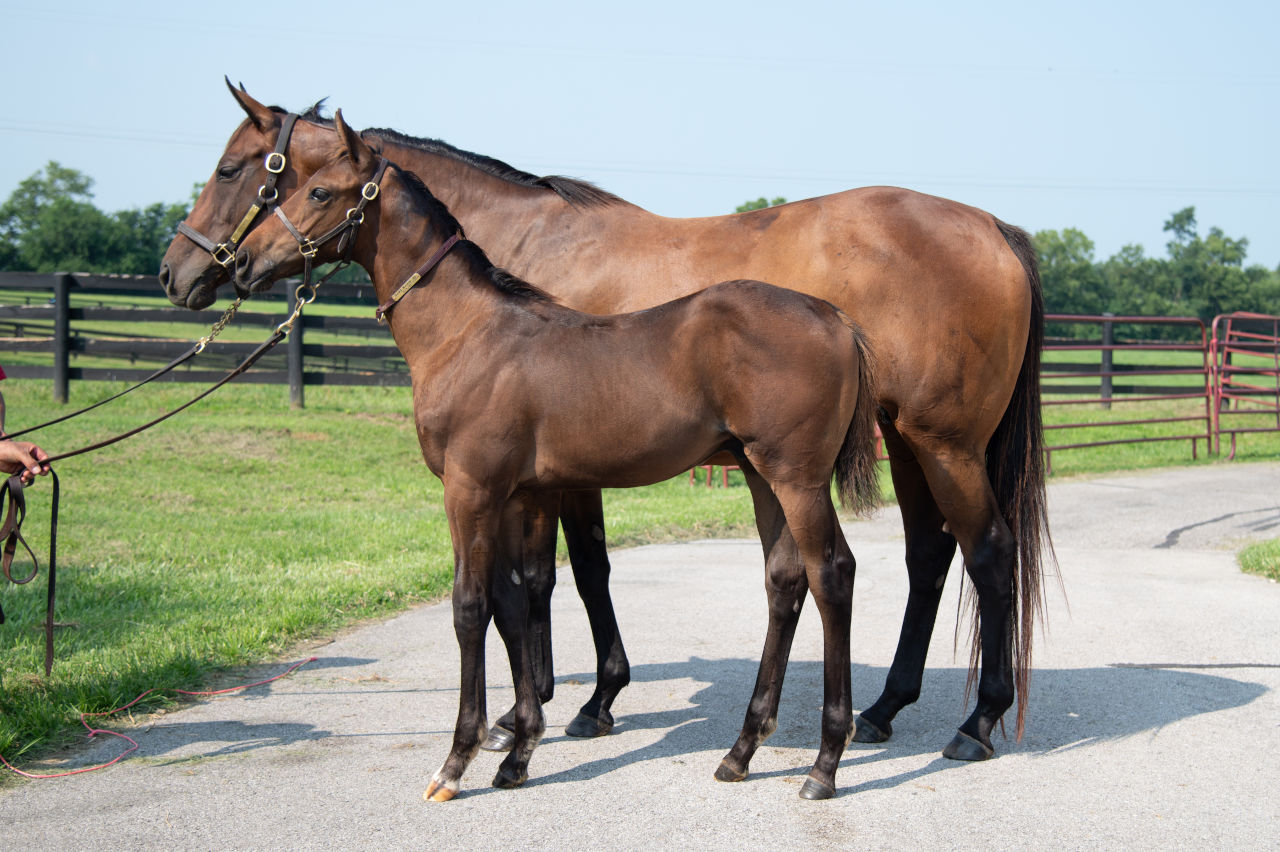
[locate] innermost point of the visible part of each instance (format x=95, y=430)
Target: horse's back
x=777, y=364
x=944, y=301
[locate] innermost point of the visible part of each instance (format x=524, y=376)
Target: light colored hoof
x=437, y=792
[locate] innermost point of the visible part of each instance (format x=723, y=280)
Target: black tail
x=857, y=475
x=1016, y=468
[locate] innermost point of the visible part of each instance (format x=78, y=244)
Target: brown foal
x=517, y=398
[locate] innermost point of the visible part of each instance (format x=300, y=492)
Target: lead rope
x=134, y=743
x=196, y=348
x=12, y=493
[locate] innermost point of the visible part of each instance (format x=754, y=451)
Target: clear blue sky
x=1103, y=116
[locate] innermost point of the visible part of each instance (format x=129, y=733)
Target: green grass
x=1262, y=559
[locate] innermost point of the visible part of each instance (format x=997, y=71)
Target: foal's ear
x=261, y=116
x=361, y=154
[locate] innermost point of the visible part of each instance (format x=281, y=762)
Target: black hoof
x=499, y=739
x=725, y=772
x=814, y=789
x=586, y=727
x=865, y=732
x=965, y=747
x=508, y=780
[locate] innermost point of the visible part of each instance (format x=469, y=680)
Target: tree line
x=1200, y=275
x=49, y=223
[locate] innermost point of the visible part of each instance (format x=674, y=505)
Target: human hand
x=23, y=457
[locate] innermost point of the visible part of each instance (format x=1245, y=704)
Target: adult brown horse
x=948, y=295
x=776, y=377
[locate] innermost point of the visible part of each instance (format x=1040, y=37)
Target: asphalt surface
x=1154, y=716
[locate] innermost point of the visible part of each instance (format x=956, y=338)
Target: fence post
x=296, y=396
x=1108, y=339
x=61, y=335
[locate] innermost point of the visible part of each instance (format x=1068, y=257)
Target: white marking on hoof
x=438, y=791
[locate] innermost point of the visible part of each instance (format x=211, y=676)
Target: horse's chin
x=261, y=284
x=201, y=297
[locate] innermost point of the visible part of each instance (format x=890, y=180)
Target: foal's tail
x=1016, y=468
x=857, y=475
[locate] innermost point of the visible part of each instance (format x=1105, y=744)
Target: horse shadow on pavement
x=1069, y=708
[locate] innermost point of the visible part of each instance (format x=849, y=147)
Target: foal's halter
x=345, y=230
x=224, y=254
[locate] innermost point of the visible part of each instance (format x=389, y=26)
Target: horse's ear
x=261, y=116
x=361, y=154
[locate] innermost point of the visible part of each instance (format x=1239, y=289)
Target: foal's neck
x=451, y=293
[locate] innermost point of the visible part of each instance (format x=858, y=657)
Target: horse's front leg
x=540, y=516
x=474, y=516
x=582, y=516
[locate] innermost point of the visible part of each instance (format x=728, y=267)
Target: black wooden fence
x=64, y=327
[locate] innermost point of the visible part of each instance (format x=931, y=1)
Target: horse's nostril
x=243, y=262
x=166, y=279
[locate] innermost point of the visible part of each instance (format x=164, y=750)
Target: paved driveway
x=1154, y=717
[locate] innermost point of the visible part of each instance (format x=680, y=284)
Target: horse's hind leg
x=830, y=568
x=929, y=553
x=539, y=572
x=786, y=584
x=582, y=516
x=965, y=496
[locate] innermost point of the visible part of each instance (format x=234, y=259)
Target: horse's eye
x=320, y=194
x=228, y=172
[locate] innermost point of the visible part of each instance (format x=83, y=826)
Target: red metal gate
x=1246, y=387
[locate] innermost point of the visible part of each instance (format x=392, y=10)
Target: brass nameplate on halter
x=405, y=287
x=245, y=222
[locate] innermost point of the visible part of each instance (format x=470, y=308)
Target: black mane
x=579, y=193
x=444, y=223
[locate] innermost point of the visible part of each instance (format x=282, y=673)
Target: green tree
x=1208, y=272
x=1073, y=283
x=146, y=234
x=49, y=223
x=759, y=204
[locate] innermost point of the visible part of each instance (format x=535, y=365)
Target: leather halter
x=412, y=280
x=347, y=229
x=224, y=253
x=344, y=230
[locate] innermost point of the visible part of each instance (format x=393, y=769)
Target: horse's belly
x=581, y=459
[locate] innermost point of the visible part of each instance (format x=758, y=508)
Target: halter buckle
x=275, y=162
x=355, y=216
x=369, y=191
x=308, y=248
x=223, y=255
x=268, y=199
